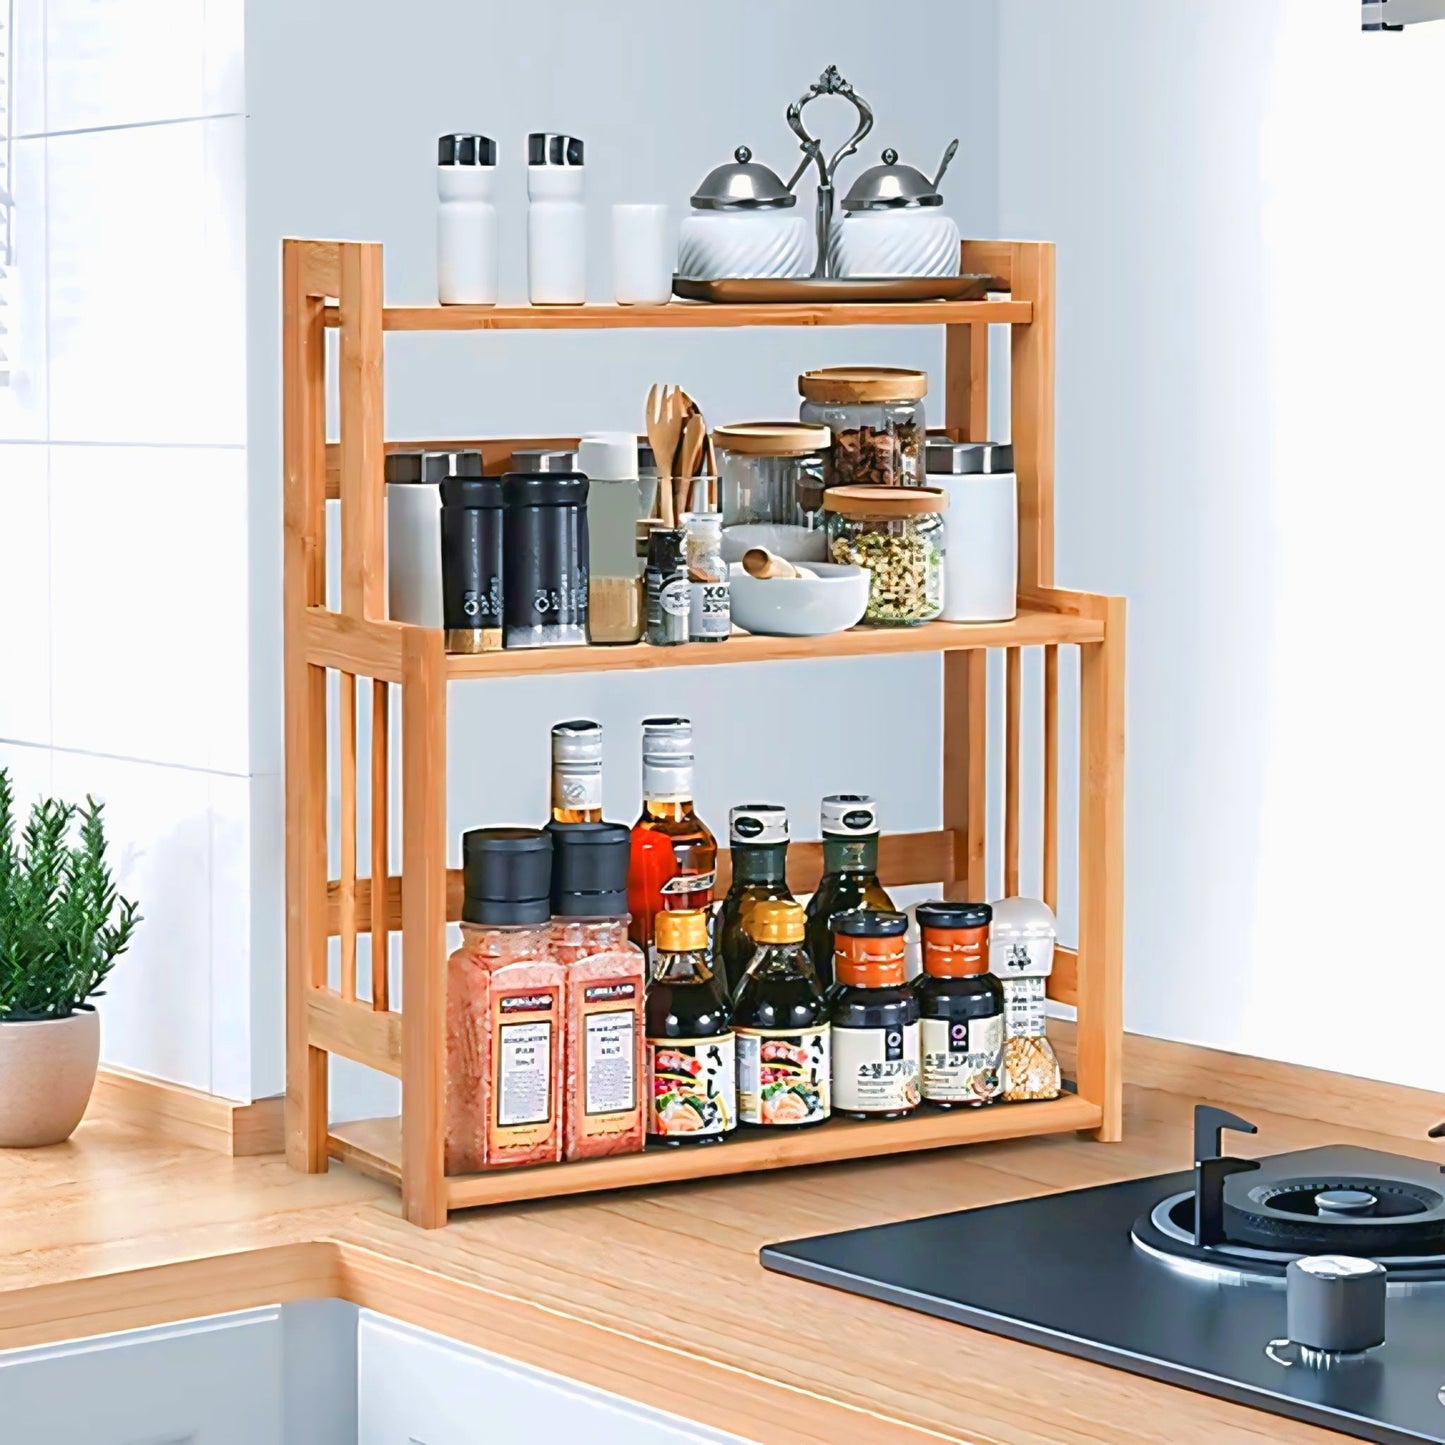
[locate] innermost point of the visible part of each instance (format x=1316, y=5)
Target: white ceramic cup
x=641, y=255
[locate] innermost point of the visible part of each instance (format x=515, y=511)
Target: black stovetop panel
x=1061, y=1271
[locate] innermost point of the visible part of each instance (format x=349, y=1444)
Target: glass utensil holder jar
x=877, y=420
x=896, y=534
x=772, y=486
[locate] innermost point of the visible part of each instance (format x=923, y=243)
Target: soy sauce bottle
x=850, y=874
x=781, y=1021
x=691, y=1054
x=758, y=833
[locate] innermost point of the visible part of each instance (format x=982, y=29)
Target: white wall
x=347, y=149
x=1247, y=201
x=123, y=489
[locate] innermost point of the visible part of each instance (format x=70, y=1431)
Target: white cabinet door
x=417, y=1388
x=204, y=1382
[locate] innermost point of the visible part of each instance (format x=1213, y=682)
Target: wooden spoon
x=759, y=562
x=662, y=434
x=694, y=435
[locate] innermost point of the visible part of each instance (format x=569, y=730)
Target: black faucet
x=1211, y=1169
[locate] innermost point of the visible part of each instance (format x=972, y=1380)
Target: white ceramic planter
x=47, y=1072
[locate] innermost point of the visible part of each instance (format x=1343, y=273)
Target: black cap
x=478, y=492
x=938, y=914
x=508, y=876
x=466, y=150
x=545, y=148
x=868, y=923
x=544, y=489
x=589, y=869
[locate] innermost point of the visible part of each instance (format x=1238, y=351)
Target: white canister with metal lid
x=981, y=563
x=745, y=223
x=893, y=224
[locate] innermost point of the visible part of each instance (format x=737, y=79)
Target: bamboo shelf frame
x=339, y=285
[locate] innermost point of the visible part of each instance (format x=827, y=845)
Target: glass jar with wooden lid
x=896, y=534
x=876, y=416
x=772, y=488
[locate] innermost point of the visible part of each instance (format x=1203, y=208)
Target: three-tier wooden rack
x=339, y=285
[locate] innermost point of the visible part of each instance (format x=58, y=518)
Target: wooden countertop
x=657, y=1295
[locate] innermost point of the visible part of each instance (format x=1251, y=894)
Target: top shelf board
x=692, y=314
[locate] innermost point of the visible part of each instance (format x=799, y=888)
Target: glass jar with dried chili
x=961, y=1003
x=874, y=1017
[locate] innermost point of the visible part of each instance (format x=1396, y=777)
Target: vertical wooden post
x=363, y=441
x=423, y=927
x=380, y=842
x=1013, y=767
x=304, y=425
x=1101, y=870
x=965, y=674
x=1033, y=412
x=1051, y=776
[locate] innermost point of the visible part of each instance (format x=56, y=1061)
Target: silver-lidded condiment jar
x=745, y=223
x=892, y=224
x=981, y=563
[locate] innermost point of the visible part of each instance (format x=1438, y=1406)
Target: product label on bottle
x=579, y=791
x=784, y=1077
x=875, y=1071
x=480, y=608
x=688, y=883
x=674, y=599
x=1024, y=1011
x=524, y=1071
x=693, y=1086
x=608, y=1060
x=710, y=614
x=962, y=1059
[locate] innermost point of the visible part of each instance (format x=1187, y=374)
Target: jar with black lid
x=471, y=552
x=544, y=556
x=875, y=1018
x=962, y=1006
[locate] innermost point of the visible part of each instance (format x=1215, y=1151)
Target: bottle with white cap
x=556, y=221
x=577, y=772
x=614, y=510
x=758, y=835
x=466, y=221
x=850, y=874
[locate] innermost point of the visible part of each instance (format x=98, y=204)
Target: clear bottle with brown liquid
x=577, y=772
x=850, y=874
x=674, y=854
x=758, y=833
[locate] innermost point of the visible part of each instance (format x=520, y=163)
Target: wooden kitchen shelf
x=360, y=1020
x=374, y=1147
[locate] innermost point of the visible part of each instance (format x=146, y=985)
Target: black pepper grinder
x=471, y=552
x=544, y=559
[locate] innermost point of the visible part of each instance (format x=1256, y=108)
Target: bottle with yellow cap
x=781, y=1021
x=691, y=1055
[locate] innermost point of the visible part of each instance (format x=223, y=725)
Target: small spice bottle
x=781, y=1022
x=504, y=999
x=1021, y=947
x=667, y=599
x=691, y=1052
x=875, y=1018
x=710, y=616
x=961, y=1003
x=605, y=1049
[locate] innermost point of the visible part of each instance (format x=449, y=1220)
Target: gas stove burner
x=1336, y=1201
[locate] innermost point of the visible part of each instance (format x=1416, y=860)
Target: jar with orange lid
x=896, y=535
x=875, y=1018
x=962, y=1006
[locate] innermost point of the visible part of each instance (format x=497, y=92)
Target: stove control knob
x=1335, y=1304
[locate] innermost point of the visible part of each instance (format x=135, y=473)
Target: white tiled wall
x=123, y=509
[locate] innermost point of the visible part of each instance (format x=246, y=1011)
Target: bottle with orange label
x=874, y=1017
x=962, y=1006
x=691, y=1053
x=781, y=1021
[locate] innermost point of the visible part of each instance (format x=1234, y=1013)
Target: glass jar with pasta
x=896, y=534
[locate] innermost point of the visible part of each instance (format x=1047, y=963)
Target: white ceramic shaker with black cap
x=981, y=528
x=556, y=221
x=466, y=221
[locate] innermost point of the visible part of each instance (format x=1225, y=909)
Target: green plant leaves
x=62, y=922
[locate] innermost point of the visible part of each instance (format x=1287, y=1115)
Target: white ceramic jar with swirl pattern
x=893, y=225
x=745, y=224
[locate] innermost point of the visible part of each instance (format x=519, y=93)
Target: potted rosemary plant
x=62, y=926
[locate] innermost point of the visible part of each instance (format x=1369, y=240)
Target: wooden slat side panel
x=1101, y=873
x=365, y=648
x=965, y=381
x=904, y=860
x=303, y=426
x=965, y=760
x=423, y=926
x=1051, y=778
x=991, y=258
x=1013, y=765
x=353, y=1029
x=346, y=888
x=320, y=268
x=1064, y=981
x=363, y=499
x=380, y=836
x=1033, y=413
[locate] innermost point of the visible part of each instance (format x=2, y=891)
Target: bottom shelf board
x=374, y=1147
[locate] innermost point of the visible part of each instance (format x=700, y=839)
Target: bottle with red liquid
x=674, y=854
